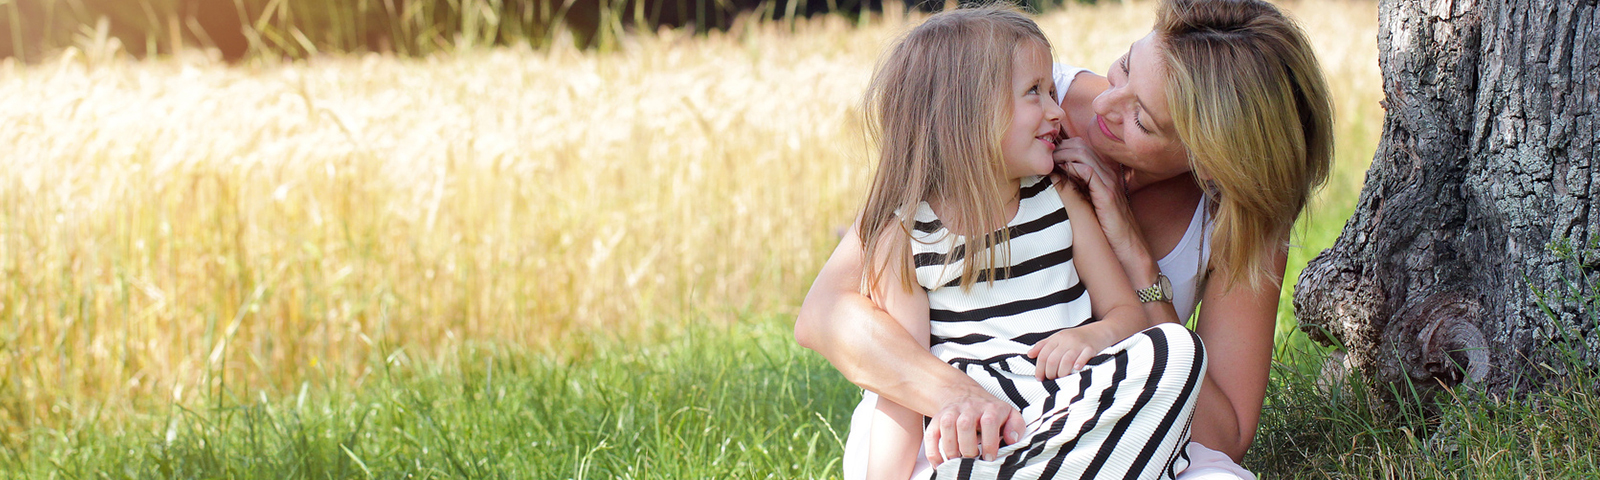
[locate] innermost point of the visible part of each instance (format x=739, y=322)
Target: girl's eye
x=1124, y=64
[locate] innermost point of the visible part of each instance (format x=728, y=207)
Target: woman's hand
x=970, y=424
x=1107, y=190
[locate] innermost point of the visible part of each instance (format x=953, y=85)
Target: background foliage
x=297, y=28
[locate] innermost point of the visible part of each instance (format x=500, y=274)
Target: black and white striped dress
x=1126, y=415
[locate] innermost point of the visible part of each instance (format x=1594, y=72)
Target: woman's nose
x=1105, y=105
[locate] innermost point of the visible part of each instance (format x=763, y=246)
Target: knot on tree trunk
x=1453, y=346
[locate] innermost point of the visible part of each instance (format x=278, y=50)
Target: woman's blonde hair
x=1249, y=102
x=938, y=104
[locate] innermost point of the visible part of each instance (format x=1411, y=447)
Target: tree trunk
x=1476, y=214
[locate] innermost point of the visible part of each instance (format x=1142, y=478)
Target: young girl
x=991, y=262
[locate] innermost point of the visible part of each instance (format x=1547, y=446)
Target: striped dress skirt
x=1126, y=415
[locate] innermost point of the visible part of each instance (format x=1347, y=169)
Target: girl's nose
x=1053, y=112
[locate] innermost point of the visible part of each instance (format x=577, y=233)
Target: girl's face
x=1132, y=125
x=1031, y=137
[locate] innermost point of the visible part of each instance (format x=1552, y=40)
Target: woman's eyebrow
x=1128, y=64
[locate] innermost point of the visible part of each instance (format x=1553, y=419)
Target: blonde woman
x=1201, y=146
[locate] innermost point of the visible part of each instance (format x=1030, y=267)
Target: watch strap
x=1158, y=292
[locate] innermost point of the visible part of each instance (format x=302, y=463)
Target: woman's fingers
x=970, y=427
x=1013, y=427
x=1076, y=150
x=931, y=441
x=989, y=433
x=967, y=434
x=944, y=445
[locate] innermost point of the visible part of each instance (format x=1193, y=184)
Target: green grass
x=1317, y=427
x=735, y=402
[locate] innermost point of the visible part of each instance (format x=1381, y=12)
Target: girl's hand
x=1066, y=352
x=1107, y=190
x=969, y=425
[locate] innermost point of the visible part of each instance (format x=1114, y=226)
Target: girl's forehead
x=1033, y=50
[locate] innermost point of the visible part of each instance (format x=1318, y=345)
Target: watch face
x=1166, y=287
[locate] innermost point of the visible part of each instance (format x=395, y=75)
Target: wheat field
x=179, y=229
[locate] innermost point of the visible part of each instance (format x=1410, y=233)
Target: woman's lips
x=1106, y=130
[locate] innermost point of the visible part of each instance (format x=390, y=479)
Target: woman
x=1201, y=144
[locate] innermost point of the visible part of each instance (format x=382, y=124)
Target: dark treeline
x=295, y=28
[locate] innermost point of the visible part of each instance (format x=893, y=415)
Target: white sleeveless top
x=1185, y=264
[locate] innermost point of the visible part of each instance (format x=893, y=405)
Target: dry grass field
x=179, y=229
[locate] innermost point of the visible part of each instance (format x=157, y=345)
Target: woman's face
x=1132, y=125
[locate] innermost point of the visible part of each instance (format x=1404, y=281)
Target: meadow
x=528, y=263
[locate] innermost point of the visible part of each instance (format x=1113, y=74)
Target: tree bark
x=1471, y=255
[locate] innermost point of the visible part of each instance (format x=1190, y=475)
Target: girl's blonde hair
x=938, y=104
x=1249, y=102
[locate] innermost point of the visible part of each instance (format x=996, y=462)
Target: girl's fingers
x=1042, y=366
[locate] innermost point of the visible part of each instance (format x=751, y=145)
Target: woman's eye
x=1138, y=123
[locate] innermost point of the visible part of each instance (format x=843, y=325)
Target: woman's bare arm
x=1237, y=326
x=1110, y=208
x=872, y=350
x=1236, y=322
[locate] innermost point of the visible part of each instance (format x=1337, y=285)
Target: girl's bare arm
x=897, y=430
x=1119, y=311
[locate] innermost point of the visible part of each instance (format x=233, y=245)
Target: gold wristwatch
x=1161, y=291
